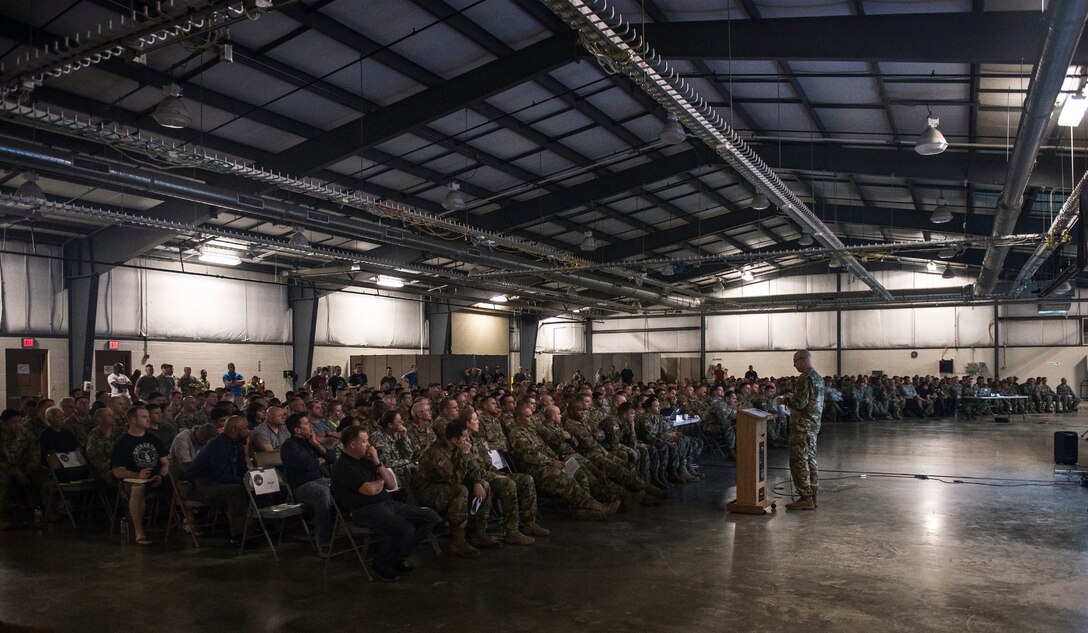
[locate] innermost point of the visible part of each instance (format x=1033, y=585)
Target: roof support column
x=303, y=302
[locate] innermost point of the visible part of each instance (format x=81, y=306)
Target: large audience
x=402, y=458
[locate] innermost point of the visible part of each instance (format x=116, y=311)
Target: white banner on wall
x=360, y=320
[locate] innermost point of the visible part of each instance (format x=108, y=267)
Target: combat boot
x=592, y=511
x=514, y=537
x=534, y=529
x=804, y=503
x=814, y=503
x=673, y=477
x=478, y=538
x=631, y=500
x=459, y=546
x=652, y=491
x=686, y=475
x=611, y=508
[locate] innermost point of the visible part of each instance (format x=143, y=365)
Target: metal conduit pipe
x=1067, y=217
x=1066, y=23
x=263, y=208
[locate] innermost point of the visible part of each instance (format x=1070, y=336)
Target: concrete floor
x=880, y=554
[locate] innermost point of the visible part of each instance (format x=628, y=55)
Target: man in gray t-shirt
x=270, y=435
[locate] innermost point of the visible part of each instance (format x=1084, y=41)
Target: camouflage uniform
x=620, y=445
x=438, y=425
x=515, y=492
x=396, y=451
x=535, y=458
x=1066, y=400
x=192, y=420
x=492, y=430
x=99, y=447
x=437, y=484
x=80, y=427
x=600, y=486
x=190, y=386
x=507, y=422
x=806, y=408
x=617, y=471
x=880, y=401
x=16, y=453
x=421, y=438
x=651, y=430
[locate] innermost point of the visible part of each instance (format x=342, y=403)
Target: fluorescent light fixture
x=1054, y=308
x=217, y=257
x=499, y=299
x=931, y=266
x=455, y=199
x=219, y=243
x=836, y=262
x=672, y=133
x=389, y=282
x=931, y=142
x=1073, y=111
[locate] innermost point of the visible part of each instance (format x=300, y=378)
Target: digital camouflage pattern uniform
x=437, y=484
x=536, y=459
x=617, y=471
x=99, y=448
x=600, y=486
x=1066, y=399
x=650, y=429
x=396, y=451
x=421, y=438
x=493, y=431
x=516, y=492
x=806, y=408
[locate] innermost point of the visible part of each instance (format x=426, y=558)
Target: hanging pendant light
x=29, y=188
x=931, y=142
x=759, y=202
x=941, y=212
x=589, y=244
x=806, y=240
x=672, y=133
x=948, y=274
x=171, y=111
x=298, y=239
x=455, y=198
x=931, y=266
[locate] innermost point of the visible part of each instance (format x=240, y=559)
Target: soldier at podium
x=806, y=407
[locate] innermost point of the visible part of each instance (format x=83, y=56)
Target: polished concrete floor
x=1006, y=550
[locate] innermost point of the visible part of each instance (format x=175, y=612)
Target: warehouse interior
x=552, y=185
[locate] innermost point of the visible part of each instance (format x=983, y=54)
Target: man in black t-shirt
x=336, y=381
x=626, y=375
x=147, y=384
x=389, y=381
x=139, y=455
x=357, y=377
x=360, y=486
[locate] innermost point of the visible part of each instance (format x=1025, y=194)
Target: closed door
x=28, y=375
x=104, y=360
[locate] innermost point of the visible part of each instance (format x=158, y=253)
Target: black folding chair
x=265, y=482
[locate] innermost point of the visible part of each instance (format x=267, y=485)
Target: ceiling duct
x=1066, y=23
x=619, y=48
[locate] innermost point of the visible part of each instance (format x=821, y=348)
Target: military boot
x=673, y=477
x=611, y=508
x=534, y=529
x=478, y=538
x=685, y=474
x=631, y=500
x=592, y=511
x=804, y=503
x=654, y=492
x=459, y=546
x=514, y=537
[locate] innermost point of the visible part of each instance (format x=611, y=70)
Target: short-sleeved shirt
x=348, y=475
x=231, y=377
x=388, y=382
x=357, y=380
x=167, y=384
x=137, y=453
x=119, y=383
x=147, y=385
x=265, y=434
x=413, y=379
x=336, y=383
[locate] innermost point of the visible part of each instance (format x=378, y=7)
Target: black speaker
x=1065, y=448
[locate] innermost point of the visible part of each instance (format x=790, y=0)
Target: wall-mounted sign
x=1053, y=363
x=29, y=343
x=113, y=345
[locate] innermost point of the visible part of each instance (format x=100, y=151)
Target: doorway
x=28, y=375
x=104, y=360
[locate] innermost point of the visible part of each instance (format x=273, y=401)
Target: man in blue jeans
x=361, y=485
x=306, y=465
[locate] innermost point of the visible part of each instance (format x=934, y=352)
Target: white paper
x=571, y=467
x=71, y=460
x=265, y=481
x=22, y=369
x=496, y=459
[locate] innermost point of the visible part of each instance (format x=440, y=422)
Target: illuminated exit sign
x=29, y=343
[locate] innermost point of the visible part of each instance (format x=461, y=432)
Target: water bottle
x=124, y=530
x=38, y=516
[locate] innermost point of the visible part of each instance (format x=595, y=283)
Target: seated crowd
x=401, y=460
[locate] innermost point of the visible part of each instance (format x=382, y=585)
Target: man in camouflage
x=655, y=431
x=99, y=445
x=564, y=446
x=535, y=458
x=1066, y=400
x=515, y=492
x=437, y=485
x=393, y=444
x=806, y=408
x=419, y=430
x=490, y=427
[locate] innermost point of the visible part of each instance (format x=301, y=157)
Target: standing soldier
x=806, y=407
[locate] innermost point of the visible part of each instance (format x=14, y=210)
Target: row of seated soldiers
x=881, y=397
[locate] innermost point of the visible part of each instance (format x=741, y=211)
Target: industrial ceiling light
x=747, y=275
x=1065, y=288
x=836, y=262
x=171, y=111
x=931, y=266
x=589, y=244
x=672, y=133
x=29, y=188
x=721, y=285
x=455, y=198
x=1073, y=111
x=499, y=299
x=931, y=142
x=759, y=202
x=948, y=274
x=947, y=252
x=941, y=212
x=389, y=282
x=298, y=239
x=806, y=240
x=667, y=270
x=217, y=257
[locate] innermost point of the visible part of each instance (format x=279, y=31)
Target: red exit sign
x=29, y=342
x=113, y=345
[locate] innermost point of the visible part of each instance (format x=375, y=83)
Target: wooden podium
x=752, y=497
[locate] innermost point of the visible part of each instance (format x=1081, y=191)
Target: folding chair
x=260, y=482
x=269, y=459
x=340, y=526
x=406, y=485
x=182, y=508
x=61, y=463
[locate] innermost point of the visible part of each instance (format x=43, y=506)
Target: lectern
x=752, y=495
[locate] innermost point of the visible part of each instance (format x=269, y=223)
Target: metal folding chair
x=183, y=509
x=342, y=526
x=261, y=482
x=62, y=463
